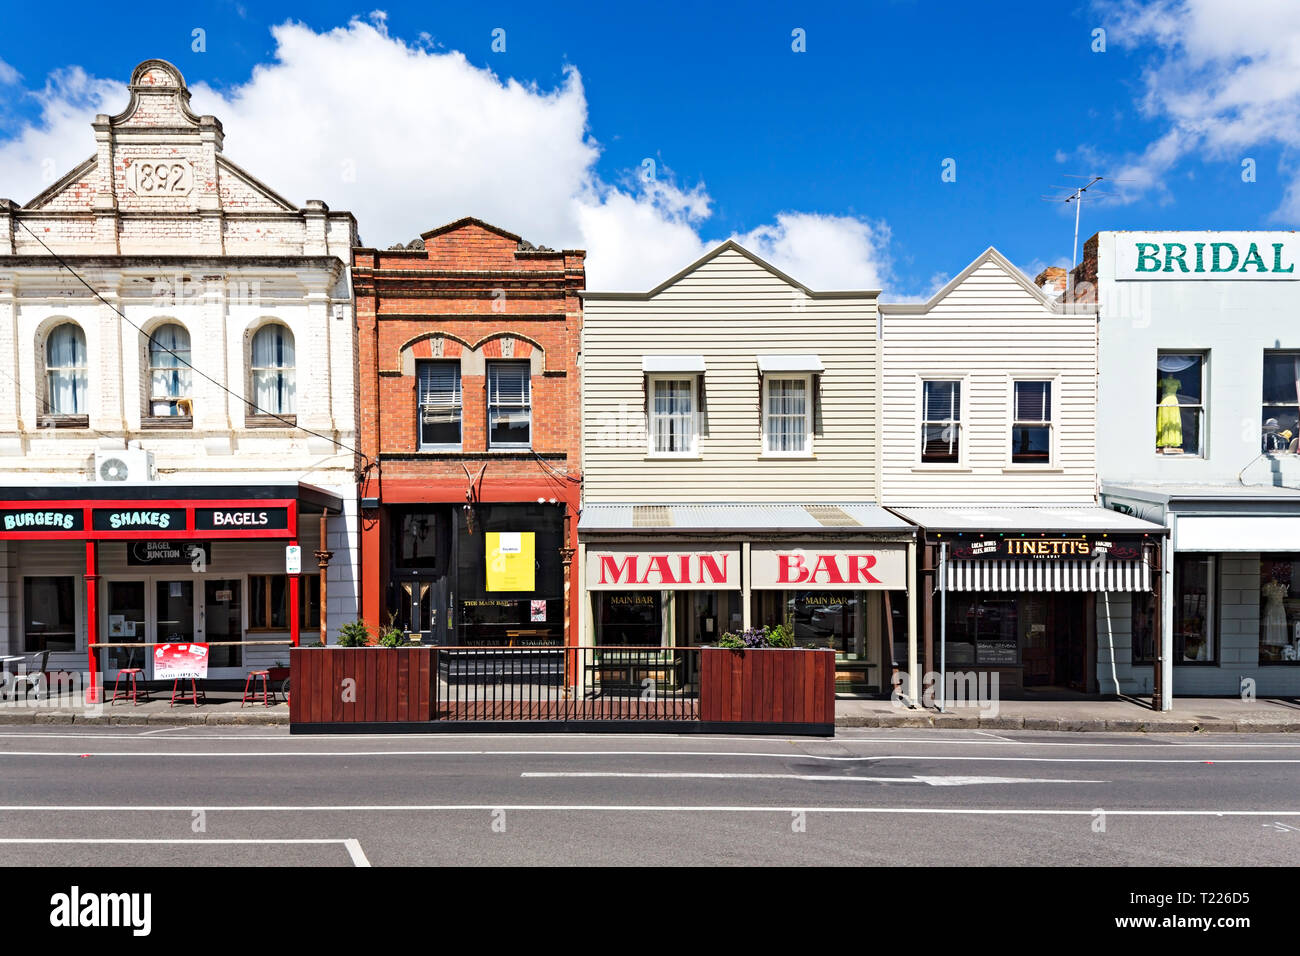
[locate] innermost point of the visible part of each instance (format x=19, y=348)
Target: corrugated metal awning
x=672, y=363
x=801, y=362
x=816, y=517
x=1025, y=518
x=1028, y=574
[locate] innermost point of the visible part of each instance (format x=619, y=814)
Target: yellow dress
x=1169, y=419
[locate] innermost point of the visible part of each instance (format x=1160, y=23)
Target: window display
x=1180, y=405
x=1279, y=609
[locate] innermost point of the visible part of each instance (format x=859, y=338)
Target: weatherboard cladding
x=730, y=309
x=987, y=327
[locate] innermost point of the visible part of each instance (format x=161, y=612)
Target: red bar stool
x=194, y=695
x=253, y=675
x=130, y=673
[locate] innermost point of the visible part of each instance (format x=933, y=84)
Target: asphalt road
x=219, y=796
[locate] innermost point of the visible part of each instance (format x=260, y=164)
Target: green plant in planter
x=781, y=636
x=392, y=637
x=730, y=640
x=354, y=634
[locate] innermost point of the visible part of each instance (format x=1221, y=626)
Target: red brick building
x=470, y=411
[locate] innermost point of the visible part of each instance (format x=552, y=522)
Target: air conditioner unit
x=126, y=465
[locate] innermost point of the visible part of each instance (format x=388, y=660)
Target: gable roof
x=76, y=174
x=988, y=255
x=731, y=245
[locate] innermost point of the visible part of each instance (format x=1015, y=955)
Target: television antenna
x=1075, y=195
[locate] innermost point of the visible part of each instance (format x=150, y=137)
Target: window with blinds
x=510, y=410
x=941, y=422
x=439, y=404
x=1031, y=427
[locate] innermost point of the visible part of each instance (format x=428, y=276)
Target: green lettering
x=1170, y=258
x=1277, y=259
x=1214, y=257
x=1200, y=257
x=1153, y=256
x=1252, y=255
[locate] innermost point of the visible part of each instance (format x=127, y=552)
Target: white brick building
x=226, y=379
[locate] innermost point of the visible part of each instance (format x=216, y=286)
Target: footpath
x=1128, y=715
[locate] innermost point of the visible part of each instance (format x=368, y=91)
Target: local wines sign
x=1207, y=255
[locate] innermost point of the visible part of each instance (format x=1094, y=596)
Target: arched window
x=66, y=376
x=273, y=371
x=169, y=372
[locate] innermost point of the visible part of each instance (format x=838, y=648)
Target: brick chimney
x=1083, y=279
x=1052, y=281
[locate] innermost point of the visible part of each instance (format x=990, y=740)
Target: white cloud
x=408, y=137
x=1224, y=77
x=8, y=75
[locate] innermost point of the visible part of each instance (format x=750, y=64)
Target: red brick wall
x=474, y=287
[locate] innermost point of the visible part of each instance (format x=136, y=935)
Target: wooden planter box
x=774, y=685
x=391, y=684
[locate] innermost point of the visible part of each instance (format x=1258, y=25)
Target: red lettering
x=659, y=565
x=709, y=568
x=621, y=573
x=828, y=564
x=790, y=562
x=858, y=565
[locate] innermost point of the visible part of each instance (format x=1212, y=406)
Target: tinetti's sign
x=1202, y=255
x=795, y=568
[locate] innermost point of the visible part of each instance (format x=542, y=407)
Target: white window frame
x=1293, y=354
x=420, y=443
x=1050, y=423
x=693, y=378
x=487, y=384
x=182, y=404
x=807, y=379
x=963, y=392
x=1203, y=407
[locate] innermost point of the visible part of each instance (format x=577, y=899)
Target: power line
x=186, y=362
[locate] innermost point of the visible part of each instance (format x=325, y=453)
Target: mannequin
x=1169, y=419
x=1274, y=613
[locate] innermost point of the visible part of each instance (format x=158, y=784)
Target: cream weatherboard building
x=731, y=458
x=989, y=430
x=177, y=400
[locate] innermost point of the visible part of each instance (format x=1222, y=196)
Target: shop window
x=985, y=628
x=49, y=614
x=1280, y=415
x=1180, y=403
x=273, y=372
x=510, y=414
x=940, y=422
x=787, y=415
x=169, y=373
x=439, y=402
x=1031, y=427
x=66, y=372
x=1279, y=609
x=831, y=619
x=1194, y=610
x=268, y=602
x=672, y=415
x=1143, y=623
x=629, y=618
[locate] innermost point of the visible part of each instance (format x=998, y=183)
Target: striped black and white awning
x=1014, y=574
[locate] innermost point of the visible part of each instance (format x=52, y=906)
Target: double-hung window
x=169, y=372
x=510, y=409
x=1280, y=414
x=941, y=421
x=787, y=415
x=1031, y=426
x=672, y=415
x=439, y=405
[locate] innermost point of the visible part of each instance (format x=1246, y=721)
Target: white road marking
x=357, y=854
x=352, y=846
x=933, y=781
x=638, y=808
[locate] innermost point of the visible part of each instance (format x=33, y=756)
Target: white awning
x=693, y=364
x=1028, y=574
x=800, y=362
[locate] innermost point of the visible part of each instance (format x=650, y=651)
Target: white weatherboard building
x=988, y=446
x=155, y=464
x=731, y=466
x=1198, y=429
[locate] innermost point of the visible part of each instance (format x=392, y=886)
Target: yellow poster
x=511, y=561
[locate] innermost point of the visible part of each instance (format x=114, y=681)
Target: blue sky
x=850, y=135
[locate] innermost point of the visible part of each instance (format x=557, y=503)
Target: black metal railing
x=567, y=683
